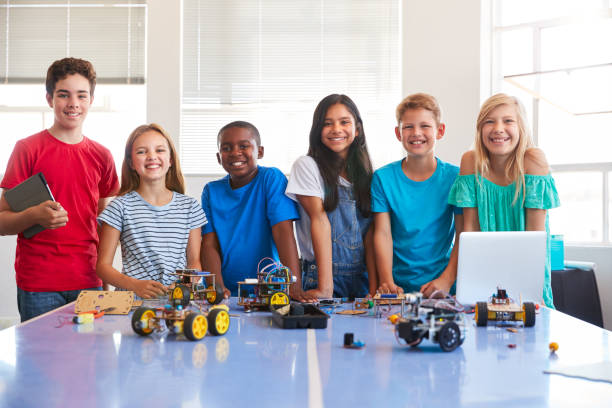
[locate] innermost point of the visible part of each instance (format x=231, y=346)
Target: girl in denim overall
x=332, y=186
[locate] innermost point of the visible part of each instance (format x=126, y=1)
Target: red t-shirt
x=78, y=176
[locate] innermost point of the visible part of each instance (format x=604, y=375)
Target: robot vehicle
x=195, y=285
x=193, y=325
x=270, y=288
x=439, y=320
x=500, y=307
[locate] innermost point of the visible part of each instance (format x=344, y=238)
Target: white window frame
x=602, y=167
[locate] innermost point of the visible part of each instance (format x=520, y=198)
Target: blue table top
x=105, y=364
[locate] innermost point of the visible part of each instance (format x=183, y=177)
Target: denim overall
x=348, y=229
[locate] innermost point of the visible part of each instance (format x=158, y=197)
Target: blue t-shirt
x=243, y=220
x=422, y=221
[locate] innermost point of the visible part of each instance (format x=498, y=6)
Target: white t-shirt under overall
x=305, y=179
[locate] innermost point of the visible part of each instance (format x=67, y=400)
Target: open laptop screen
x=511, y=260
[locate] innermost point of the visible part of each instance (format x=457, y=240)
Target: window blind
x=271, y=61
x=109, y=33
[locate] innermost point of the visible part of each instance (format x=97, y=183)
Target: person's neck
x=69, y=136
x=155, y=193
x=497, y=170
x=419, y=168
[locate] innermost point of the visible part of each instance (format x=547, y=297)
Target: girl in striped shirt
x=159, y=227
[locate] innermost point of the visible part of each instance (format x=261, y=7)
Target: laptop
x=511, y=260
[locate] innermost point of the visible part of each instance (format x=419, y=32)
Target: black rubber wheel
x=181, y=295
x=449, y=336
x=195, y=326
x=218, y=322
x=482, y=314
x=214, y=298
x=529, y=315
x=140, y=316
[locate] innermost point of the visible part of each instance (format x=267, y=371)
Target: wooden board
x=90, y=300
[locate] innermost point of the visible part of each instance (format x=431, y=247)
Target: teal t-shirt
x=497, y=210
x=422, y=221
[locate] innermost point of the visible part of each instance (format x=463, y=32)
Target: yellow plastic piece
x=177, y=293
x=553, y=347
x=224, y=307
x=149, y=314
x=212, y=295
x=394, y=318
x=222, y=322
x=199, y=327
x=279, y=298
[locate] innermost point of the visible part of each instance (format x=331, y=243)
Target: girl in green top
x=504, y=183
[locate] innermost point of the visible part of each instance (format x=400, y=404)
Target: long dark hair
x=358, y=165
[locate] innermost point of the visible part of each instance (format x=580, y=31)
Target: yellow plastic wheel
x=195, y=326
x=182, y=294
x=218, y=322
x=279, y=298
x=141, y=321
x=214, y=295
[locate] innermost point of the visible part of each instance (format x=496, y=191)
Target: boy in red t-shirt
x=54, y=265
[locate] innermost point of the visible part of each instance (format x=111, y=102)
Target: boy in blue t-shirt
x=414, y=225
x=249, y=216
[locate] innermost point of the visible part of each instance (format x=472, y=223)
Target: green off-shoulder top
x=497, y=212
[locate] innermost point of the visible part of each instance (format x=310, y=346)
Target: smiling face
x=238, y=154
x=70, y=101
x=500, y=131
x=151, y=156
x=418, y=132
x=339, y=129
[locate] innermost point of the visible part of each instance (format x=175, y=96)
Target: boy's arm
x=210, y=256
x=320, y=231
x=194, y=243
x=49, y=214
x=109, y=238
x=370, y=260
x=383, y=250
x=284, y=238
x=449, y=275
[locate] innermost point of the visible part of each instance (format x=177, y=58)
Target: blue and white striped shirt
x=153, y=239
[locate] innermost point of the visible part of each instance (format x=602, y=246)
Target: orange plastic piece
x=553, y=347
x=393, y=318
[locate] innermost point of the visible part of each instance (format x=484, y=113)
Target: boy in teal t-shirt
x=414, y=226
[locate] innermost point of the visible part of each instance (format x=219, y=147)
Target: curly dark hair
x=60, y=69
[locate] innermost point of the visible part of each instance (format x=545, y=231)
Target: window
x=554, y=56
x=109, y=33
x=270, y=63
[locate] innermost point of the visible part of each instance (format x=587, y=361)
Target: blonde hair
x=515, y=166
x=130, y=180
x=419, y=101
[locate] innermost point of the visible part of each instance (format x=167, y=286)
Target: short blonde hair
x=419, y=101
x=515, y=167
x=130, y=180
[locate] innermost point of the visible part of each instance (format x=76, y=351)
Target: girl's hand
x=149, y=289
x=317, y=294
x=436, y=284
x=298, y=294
x=390, y=287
